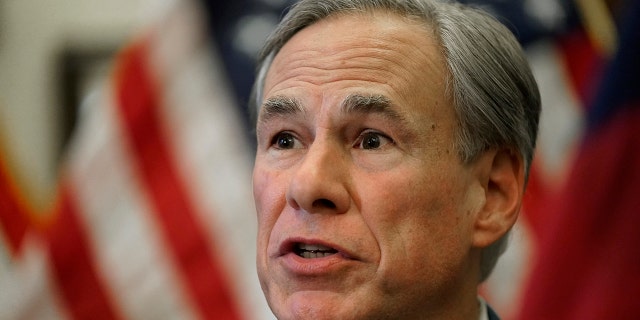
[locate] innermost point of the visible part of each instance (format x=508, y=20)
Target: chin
x=316, y=305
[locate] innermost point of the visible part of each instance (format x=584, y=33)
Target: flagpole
x=599, y=24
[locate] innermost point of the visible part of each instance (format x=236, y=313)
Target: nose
x=320, y=182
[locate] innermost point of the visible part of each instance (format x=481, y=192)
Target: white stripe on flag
x=562, y=118
x=130, y=253
x=27, y=291
x=205, y=134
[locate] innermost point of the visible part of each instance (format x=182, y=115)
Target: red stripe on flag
x=73, y=267
x=589, y=255
x=138, y=105
x=14, y=220
x=583, y=64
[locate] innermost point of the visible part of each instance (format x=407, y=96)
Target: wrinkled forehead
x=322, y=27
x=366, y=42
x=360, y=55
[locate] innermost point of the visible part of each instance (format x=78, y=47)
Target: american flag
x=154, y=217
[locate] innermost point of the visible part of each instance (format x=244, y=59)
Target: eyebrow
x=368, y=104
x=280, y=106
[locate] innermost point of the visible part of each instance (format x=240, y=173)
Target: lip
x=300, y=266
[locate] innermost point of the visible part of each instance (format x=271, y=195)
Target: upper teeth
x=313, y=247
x=313, y=250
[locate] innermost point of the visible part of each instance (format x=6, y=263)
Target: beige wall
x=32, y=33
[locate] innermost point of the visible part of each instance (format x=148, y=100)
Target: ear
x=501, y=174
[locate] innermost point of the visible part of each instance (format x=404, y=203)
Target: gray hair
x=495, y=96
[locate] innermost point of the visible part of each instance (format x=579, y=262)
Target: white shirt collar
x=484, y=313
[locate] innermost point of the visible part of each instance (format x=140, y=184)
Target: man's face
x=364, y=208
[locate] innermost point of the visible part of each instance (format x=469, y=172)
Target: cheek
x=268, y=193
x=419, y=219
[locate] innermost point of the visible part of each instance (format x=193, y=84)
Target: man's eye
x=372, y=140
x=285, y=140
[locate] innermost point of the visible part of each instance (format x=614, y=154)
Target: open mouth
x=311, y=251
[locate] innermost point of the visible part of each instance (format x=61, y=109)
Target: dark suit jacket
x=492, y=314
